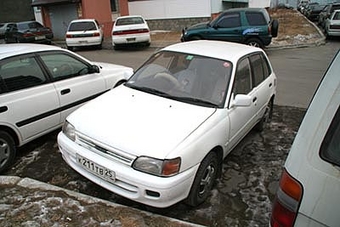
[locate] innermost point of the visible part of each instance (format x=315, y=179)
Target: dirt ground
x=293, y=27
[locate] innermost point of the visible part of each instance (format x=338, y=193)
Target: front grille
x=104, y=150
x=335, y=26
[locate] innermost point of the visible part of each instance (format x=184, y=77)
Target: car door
x=73, y=80
x=242, y=118
x=227, y=28
x=28, y=101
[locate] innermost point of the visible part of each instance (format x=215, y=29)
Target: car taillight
x=69, y=36
x=129, y=32
x=28, y=34
x=96, y=34
x=287, y=201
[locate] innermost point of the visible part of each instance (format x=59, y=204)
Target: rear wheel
x=267, y=117
x=275, y=28
x=204, y=180
x=7, y=150
x=255, y=42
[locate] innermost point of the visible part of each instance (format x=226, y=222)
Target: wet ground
x=242, y=197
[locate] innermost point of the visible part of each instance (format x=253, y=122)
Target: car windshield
x=129, y=20
x=184, y=77
x=82, y=26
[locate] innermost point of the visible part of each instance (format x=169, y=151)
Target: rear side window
x=255, y=18
x=261, y=69
x=20, y=73
x=330, y=147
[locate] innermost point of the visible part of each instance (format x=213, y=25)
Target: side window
x=258, y=73
x=255, y=18
x=242, y=84
x=266, y=68
x=330, y=147
x=230, y=21
x=20, y=73
x=63, y=66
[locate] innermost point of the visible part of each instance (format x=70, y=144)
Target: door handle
x=270, y=85
x=3, y=109
x=65, y=91
x=254, y=99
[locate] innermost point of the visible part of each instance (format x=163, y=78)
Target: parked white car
x=308, y=193
x=128, y=30
x=332, y=24
x=161, y=138
x=40, y=85
x=84, y=32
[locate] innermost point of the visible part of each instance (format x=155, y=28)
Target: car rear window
x=128, y=21
x=82, y=26
x=330, y=147
x=255, y=18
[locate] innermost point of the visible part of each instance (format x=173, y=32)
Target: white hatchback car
x=161, y=138
x=84, y=32
x=40, y=85
x=129, y=30
x=308, y=193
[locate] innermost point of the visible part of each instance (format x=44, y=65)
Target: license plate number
x=130, y=39
x=96, y=169
x=39, y=37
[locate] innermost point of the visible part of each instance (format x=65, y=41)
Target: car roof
x=215, y=49
x=83, y=20
x=8, y=50
x=129, y=16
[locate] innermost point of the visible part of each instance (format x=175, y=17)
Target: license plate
x=130, y=39
x=83, y=41
x=96, y=169
x=40, y=37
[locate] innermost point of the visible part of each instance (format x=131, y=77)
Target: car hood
x=138, y=123
x=109, y=68
x=202, y=25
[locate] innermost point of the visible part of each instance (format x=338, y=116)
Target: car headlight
x=69, y=131
x=158, y=167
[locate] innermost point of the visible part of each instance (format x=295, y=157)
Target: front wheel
x=204, y=180
x=7, y=150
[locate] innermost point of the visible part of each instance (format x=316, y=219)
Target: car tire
x=266, y=118
x=195, y=37
x=255, y=42
x=275, y=28
x=204, y=180
x=7, y=150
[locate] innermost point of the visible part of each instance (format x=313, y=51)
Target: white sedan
x=129, y=30
x=161, y=138
x=40, y=85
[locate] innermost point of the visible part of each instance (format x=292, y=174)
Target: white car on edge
x=40, y=85
x=161, y=138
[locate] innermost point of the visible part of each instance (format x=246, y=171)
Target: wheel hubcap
x=206, y=180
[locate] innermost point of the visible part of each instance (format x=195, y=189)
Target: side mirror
x=242, y=100
x=94, y=69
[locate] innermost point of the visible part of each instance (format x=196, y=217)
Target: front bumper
x=135, y=185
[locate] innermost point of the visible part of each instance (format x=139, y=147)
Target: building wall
x=165, y=9
x=16, y=10
x=99, y=10
x=175, y=24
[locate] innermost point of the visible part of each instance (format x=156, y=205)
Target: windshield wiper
x=195, y=101
x=149, y=90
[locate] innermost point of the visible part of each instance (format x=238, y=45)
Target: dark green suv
x=252, y=26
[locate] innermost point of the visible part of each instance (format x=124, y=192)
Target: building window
x=113, y=5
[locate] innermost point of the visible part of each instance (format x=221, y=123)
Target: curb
x=15, y=182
